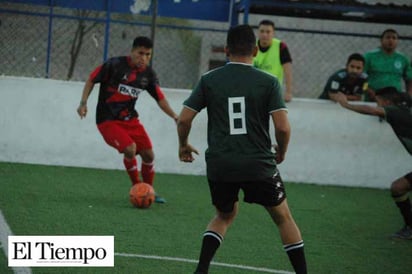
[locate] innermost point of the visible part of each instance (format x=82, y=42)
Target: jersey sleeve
x=101, y=73
x=365, y=84
x=197, y=99
x=285, y=56
x=333, y=84
x=154, y=87
x=276, y=102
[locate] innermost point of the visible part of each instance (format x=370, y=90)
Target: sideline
x=244, y=267
x=5, y=231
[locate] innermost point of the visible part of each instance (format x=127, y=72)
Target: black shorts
x=265, y=192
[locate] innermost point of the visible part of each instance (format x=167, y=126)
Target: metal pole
x=246, y=13
x=49, y=39
x=107, y=30
x=153, y=26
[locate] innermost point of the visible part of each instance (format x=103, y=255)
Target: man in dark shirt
x=396, y=109
x=240, y=101
x=351, y=81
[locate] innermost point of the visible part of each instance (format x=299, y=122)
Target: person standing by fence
x=274, y=57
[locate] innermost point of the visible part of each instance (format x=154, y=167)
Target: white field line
x=164, y=258
x=5, y=231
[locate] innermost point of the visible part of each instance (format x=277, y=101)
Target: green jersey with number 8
x=239, y=100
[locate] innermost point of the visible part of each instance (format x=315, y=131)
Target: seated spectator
x=351, y=81
x=386, y=66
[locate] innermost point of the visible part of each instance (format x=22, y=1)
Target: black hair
x=267, y=22
x=241, y=40
x=357, y=57
x=397, y=98
x=389, y=31
x=142, y=41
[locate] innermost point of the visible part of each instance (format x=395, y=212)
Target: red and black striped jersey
x=121, y=82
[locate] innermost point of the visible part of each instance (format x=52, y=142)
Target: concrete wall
x=329, y=145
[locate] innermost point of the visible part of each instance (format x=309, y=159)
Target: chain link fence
x=68, y=44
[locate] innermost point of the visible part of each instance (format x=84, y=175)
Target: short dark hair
x=267, y=22
x=389, y=31
x=241, y=40
x=357, y=57
x=393, y=95
x=142, y=41
x=387, y=92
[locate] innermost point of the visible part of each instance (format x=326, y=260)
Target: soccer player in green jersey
x=386, y=66
x=395, y=107
x=240, y=101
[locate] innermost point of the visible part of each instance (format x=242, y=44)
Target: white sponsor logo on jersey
x=128, y=90
x=335, y=85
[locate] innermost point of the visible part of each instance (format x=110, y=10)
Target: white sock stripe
x=148, y=164
x=213, y=234
x=293, y=246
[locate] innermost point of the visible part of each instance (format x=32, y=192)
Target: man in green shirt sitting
x=386, y=66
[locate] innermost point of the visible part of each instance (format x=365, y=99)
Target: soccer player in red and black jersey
x=121, y=80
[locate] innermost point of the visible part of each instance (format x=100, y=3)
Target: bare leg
x=399, y=190
x=290, y=235
x=213, y=237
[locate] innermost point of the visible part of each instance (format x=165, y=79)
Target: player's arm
x=348, y=96
x=371, y=93
x=287, y=70
x=184, y=125
x=353, y=97
x=87, y=89
x=164, y=105
x=363, y=109
x=282, y=133
x=286, y=61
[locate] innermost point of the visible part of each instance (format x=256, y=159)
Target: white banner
x=61, y=251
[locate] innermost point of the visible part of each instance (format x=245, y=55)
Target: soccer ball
x=142, y=195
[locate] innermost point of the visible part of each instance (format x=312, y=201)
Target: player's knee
x=147, y=156
x=227, y=212
x=399, y=187
x=130, y=151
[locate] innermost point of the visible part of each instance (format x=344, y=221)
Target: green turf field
x=345, y=229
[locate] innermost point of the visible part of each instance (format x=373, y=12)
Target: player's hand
x=185, y=153
x=288, y=97
x=340, y=98
x=82, y=111
x=279, y=155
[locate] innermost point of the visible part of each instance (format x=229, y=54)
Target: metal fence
x=68, y=44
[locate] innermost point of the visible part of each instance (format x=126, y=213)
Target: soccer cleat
x=405, y=233
x=159, y=199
